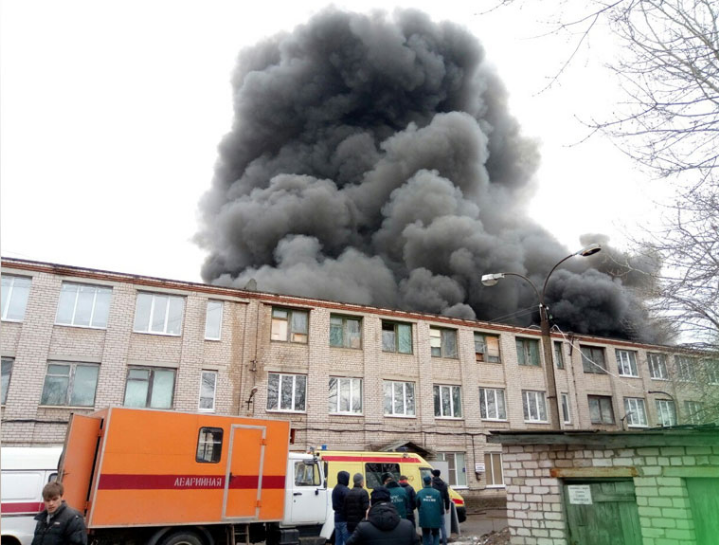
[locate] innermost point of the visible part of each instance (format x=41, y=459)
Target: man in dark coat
x=430, y=511
x=356, y=503
x=412, y=495
x=338, y=505
x=383, y=526
x=398, y=495
x=58, y=523
x=439, y=484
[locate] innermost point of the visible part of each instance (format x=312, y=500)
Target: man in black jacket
x=439, y=484
x=338, y=505
x=356, y=503
x=383, y=526
x=412, y=494
x=58, y=523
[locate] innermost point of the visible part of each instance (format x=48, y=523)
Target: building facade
x=347, y=376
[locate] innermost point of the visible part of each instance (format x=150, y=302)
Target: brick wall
x=535, y=474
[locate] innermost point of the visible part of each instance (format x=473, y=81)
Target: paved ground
x=481, y=523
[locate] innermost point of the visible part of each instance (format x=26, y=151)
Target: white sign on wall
x=479, y=468
x=579, y=494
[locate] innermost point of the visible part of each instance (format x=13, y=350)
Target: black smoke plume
x=373, y=160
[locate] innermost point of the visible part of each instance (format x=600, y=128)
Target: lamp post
x=492, y=279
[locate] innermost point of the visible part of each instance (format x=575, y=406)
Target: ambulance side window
x=209, y=446
x=373, y=473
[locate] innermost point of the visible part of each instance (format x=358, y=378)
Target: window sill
x=218, y=339
x=660, y=378
x=401, y=416
x=13, y=321
x=630, y=376
x=68, y=407
x=536, y=421
x=158, y=334
x=346, y=414
x=637, y=425
x=288, y=342
x=496, y=486
x=494, y=420
x=398, y=353
x=530, y=366
x=96, y=328
x=286, y=411
x=456, y=418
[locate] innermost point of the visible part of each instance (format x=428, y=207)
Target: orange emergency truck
x=144, y=476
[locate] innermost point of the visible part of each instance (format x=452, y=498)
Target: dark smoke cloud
x=373, y=160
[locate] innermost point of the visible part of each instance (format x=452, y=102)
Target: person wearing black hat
x=439, y=484
x=383, y=526
x=412, y=495
x=338, y=505
x=356, y=503
x=398, y=495
x=431, y=514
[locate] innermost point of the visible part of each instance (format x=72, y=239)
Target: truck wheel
x=182, y=538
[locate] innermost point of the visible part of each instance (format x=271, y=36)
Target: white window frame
x=355, y=393
x=657, y=366
x=70, y=388
x=348, y=340
x=69, y=289
x=457, y=467
x=627, y=363
x=437, y=342
x=291, y=336
x=150, y=384
x=490, y=463
x=203, y=374
x=395, y=329
x=635, y=412
x=211, y=320
x=442, y=390
x=393, y=386
x=693, y=410
x=484, y=411
x=154, y=297
x=566, y=408
x=666, y=412
x=534, y=402
x=686, y=368
x=485, y=353
x=6, y=376
x=11, y=287
x=296, y=380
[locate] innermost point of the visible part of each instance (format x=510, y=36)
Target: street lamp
x=492, y=279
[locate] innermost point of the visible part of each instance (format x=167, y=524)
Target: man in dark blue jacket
x=383, y=526
x=338, y=505
x=439, y=484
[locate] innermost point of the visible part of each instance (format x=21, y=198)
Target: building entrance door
x=602, y=513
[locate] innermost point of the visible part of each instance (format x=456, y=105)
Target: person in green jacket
x=431, y=512
x=398, y=496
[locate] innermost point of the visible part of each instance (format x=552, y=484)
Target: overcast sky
x=111, y=112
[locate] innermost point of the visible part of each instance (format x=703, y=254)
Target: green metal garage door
x=704, y=501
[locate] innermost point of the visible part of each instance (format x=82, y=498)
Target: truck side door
x=307, y=491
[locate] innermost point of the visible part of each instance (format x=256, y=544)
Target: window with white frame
x=289, y=325
x=666, y=412
x=593, y=359
x=286, y=392
x=213, y=320
x=686, y=368
x=694, y=411
x=396, y=337
x=443, y=342
x=208, y=389
x=15, y=292
x=491, y=404
x=6, y=373
x=83, y=305
x=399, y=398
x=534, y=406
x=70, y=384
x=447, y=401
x=601, y=410
x=486, y=347
x=158, y=313
x=635, y=412
x=558, y=355
x=566, y=413
x=657, y=365
x=627, y=363
x=527, y=352
x=493, y=469
x=151, y=387
x=712, y=371
x=345, y=396
x=456, y=468
x=345, y=331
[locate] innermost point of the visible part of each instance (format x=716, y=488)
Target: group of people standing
x=387, y=516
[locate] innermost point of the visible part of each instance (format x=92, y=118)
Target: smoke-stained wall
x=373, y=160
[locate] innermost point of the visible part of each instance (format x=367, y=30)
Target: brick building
x=346, y=376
